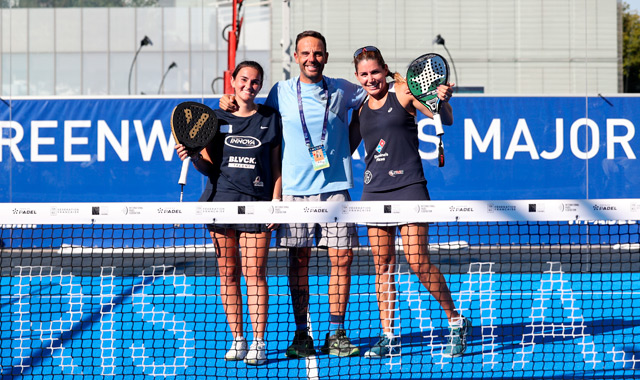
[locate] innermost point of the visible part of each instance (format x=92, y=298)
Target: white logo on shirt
x=242, y=162
x=367, y=177
x=242, y=142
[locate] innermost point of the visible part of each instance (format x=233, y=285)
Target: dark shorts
x=413, y=192
x=236, y=197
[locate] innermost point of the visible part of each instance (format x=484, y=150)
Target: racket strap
x=440, y=153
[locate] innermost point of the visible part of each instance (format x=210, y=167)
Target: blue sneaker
x=457, y=344
x=385, y=347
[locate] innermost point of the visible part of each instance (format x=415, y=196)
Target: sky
x=633, y=5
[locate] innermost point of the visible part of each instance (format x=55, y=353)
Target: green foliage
x=630, y=49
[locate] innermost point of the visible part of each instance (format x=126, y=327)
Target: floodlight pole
x=234, y=33
x=285, y=42
x=171, y=66
x=440, y=41
x=145, y=41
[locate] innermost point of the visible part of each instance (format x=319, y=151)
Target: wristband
x=196, y=158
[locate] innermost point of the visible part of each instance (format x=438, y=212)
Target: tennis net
x=134, y=290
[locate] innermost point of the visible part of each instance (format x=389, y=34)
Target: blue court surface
x=166, y=325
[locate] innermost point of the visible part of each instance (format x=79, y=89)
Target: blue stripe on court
x=546, y=325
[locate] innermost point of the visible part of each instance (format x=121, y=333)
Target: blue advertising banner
x=110, y=149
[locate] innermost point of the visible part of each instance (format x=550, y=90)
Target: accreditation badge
x=319, y=156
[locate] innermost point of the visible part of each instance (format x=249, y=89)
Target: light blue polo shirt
x=298, y=175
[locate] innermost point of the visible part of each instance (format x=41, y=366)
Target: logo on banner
x=97, y=210
x=64, y=211
x=568, y=207
x=315, y=210
x=204, y=210
x=492, y=207
x=243, y=210
x=24, y=211
x=460, y=209
x=533, y=207
x=134, y=210
x=163, y=210
x=355, y=209
x=604, y=207
x=389, y=209
x=278, y=209
x=424, y=209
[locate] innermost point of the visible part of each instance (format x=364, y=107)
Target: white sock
x=457, y=322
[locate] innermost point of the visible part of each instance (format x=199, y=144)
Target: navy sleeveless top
x=242, y=151
x=391, y=143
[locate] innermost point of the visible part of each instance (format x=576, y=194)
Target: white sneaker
x=238, y=349
x=257, y=353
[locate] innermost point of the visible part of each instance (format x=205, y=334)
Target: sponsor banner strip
x=319, y=212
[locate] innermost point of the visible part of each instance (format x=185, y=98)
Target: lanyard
x=305, y=130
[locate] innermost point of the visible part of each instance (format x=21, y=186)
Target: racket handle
x=184, y=171
x=438, y=123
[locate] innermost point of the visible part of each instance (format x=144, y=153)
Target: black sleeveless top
x=391, y=143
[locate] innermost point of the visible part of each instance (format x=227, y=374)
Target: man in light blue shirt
x=316, y=166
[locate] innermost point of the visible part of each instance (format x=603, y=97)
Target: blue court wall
x=115, y=149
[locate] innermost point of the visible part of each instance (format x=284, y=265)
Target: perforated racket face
x=193, y=125
x=424, y=75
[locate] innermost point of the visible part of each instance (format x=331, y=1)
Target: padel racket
x=193, y=125
x=424, y=75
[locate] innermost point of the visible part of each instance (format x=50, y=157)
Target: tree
x=630, y=49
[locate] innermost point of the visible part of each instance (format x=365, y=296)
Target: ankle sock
x=336, y=322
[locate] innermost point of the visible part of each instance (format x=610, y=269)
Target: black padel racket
x=193, y=125
x=424, y=75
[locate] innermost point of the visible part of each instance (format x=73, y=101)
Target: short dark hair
x=314, y=34
x=252, y=64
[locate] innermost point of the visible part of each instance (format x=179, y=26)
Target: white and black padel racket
x=424, y=75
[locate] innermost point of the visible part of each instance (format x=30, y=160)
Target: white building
x=504, y=47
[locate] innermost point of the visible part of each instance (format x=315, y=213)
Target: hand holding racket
x=425, y=74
